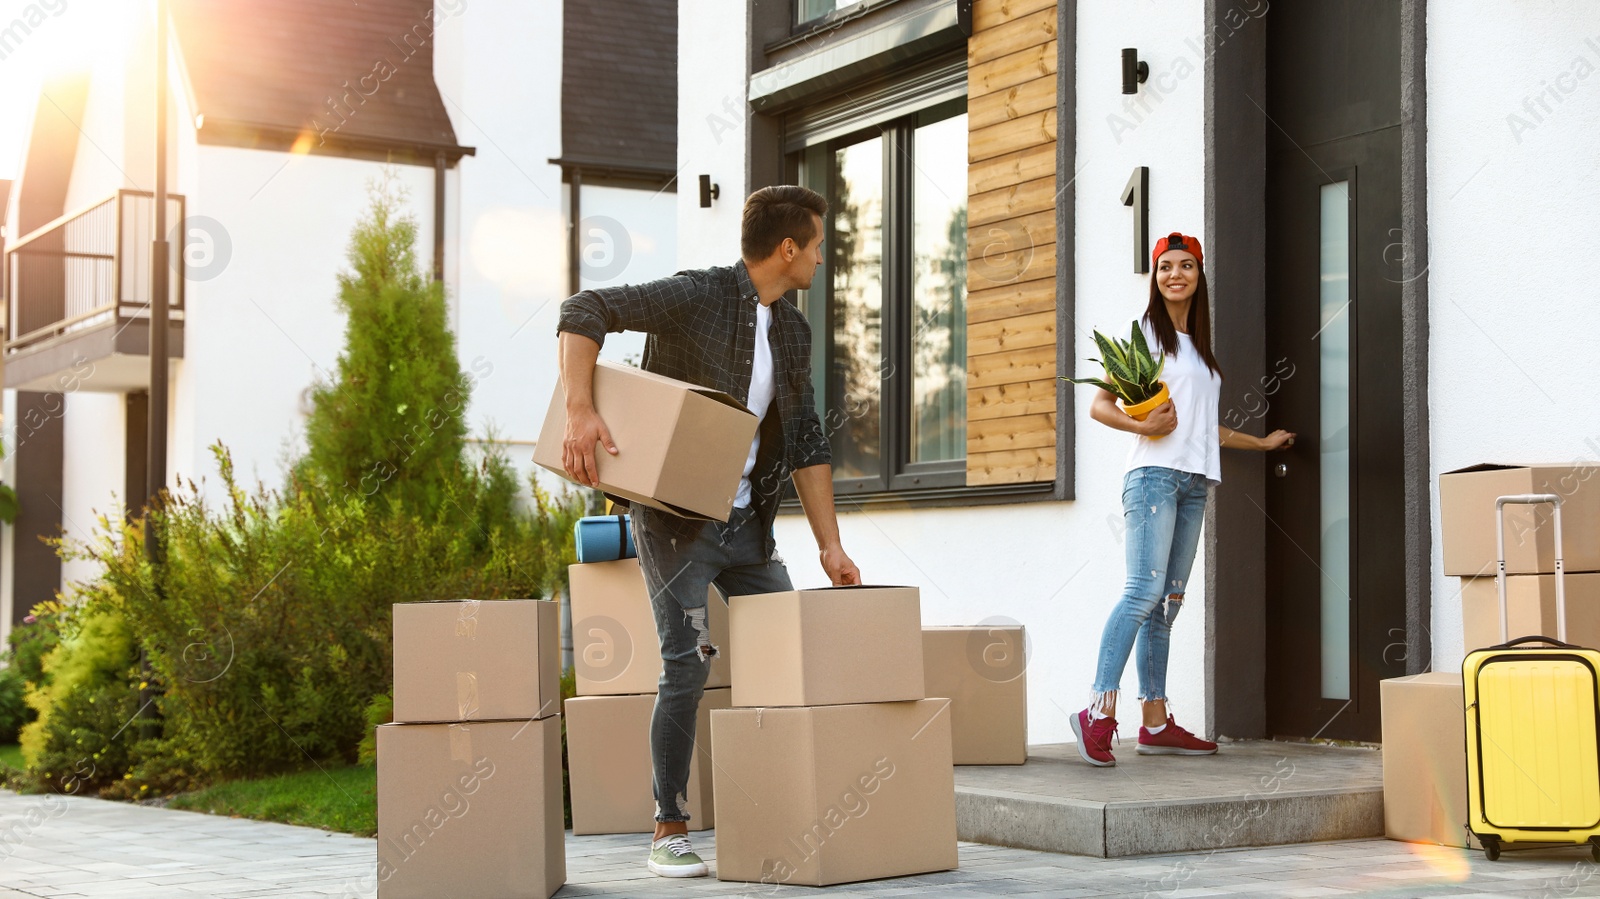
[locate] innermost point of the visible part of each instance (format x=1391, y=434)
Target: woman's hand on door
x=1277, y=440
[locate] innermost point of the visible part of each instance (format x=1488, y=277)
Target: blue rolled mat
x=604, y=538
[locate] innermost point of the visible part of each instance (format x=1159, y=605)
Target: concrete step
x=1251, y=793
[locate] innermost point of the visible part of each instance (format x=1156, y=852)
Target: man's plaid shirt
x=701, y=329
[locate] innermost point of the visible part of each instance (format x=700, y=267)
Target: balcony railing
x=87, y=269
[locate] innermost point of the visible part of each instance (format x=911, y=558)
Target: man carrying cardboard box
x=729, y=329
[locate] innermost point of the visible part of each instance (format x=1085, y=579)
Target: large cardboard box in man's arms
x=681, y=448
x=1467, y=518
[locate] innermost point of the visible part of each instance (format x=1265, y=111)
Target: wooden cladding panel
x=1011, y=169
x=991, y=369
x=1012, y=400
x=1025, y=466
x=1012, y=388
x=1009, y=137
x=986, y=15
x=1016, y=333
x=1001, y=267
x=1015, y=36
x=1016, y=234
x=999, y=74
x=1007, y=300
x=1012, y=103
x=1021, y=432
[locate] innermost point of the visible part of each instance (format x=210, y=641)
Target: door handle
x=1281, y=469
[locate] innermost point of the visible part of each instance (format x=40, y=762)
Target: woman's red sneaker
x=1173, y=740
x=1094, y=738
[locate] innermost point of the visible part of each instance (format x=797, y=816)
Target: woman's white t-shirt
x=1196, y=391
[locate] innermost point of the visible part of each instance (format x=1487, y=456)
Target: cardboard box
x=608, y=762
x=834, y=794
x=1531, y=608
x=1425, y=759
x=615, y=648
x=829, y=646
x=472, y=660
x=983, y=670
x=470, y=810
x=1467, y=518
x=681, y=448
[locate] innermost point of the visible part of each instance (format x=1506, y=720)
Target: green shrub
x=380, y=711
x=28, y=644
x=269, y=635
x=14, y=713
x=85, y=698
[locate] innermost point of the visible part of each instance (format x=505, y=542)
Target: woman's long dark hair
x=1199, y=324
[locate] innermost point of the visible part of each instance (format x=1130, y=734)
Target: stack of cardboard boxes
x=1424, y=725
x=469, y=775
x=617, y=662
x=832, y=767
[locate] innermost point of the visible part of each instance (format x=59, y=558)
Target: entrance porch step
x=1251, y=793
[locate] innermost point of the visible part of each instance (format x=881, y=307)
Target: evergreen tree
x=392, y=426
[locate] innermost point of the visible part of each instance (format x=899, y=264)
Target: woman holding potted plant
x=1170, y=403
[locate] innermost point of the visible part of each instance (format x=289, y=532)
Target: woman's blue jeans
x=1163, y=510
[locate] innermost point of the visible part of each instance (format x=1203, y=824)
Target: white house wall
x=504, y=99
x=1055, y=567
x=712, y=129
x=263, y=325
x=1513, y=183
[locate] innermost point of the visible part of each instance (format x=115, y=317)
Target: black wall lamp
x=1134, y=71
x=708, y=191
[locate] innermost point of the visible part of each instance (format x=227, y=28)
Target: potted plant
x=1132, y=373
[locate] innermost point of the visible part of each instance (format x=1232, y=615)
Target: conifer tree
x=391, y=427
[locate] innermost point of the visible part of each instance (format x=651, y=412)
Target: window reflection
x=855, y=388
x=939, y=292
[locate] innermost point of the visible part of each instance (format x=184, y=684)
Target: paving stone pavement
x=71, y=847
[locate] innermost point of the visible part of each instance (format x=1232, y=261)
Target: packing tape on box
x=467, y=619
x=466, y=694
x=758, y=716
x=461, y=743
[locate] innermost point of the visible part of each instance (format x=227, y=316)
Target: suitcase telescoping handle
x=1523, y=499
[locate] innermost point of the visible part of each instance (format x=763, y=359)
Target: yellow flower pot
x=1140, y=411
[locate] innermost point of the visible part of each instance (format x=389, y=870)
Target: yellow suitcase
x=1532, y=713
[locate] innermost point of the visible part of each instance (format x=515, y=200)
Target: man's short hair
x=774, y=213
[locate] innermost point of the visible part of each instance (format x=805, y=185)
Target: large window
x=888, y=309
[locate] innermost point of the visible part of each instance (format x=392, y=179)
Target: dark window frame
x=899, y=474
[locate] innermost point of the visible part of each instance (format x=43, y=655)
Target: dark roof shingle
x=337, y=71
x=619, y=84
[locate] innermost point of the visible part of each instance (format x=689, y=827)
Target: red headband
x=1176, y=241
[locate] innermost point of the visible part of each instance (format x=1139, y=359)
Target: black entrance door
x=1335, y=552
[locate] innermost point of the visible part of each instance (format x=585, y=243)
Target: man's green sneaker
x=672, y=856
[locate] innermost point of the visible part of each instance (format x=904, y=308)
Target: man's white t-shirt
x=763, y=390
x=1196, y=391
